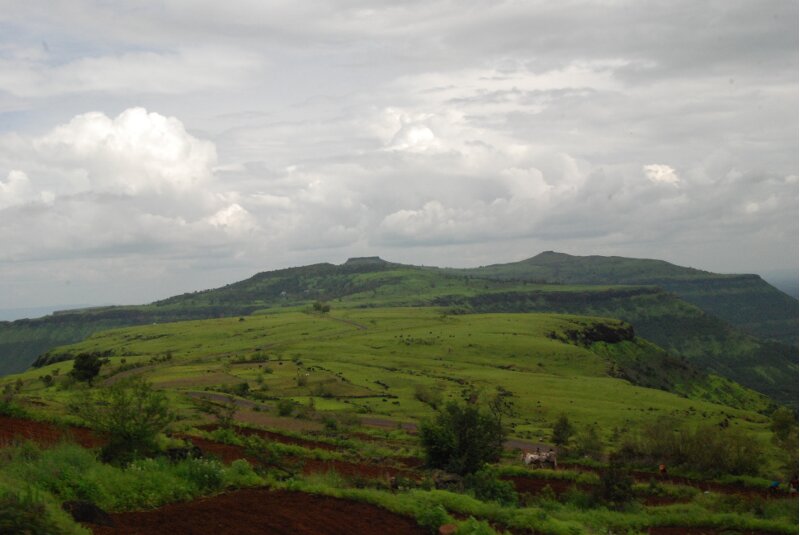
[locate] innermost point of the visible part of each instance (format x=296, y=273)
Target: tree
x=562, y=430
x=462, y=438
x=783, y=425
x=85, y=367
x=130, y=413
x=616, y=483
x=588, y=442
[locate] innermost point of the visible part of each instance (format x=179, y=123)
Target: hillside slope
x=393, y=362
x=657, y=315
x=745, y=301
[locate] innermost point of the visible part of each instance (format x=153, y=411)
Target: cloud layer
x=433, y=132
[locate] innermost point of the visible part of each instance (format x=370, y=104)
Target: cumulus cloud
x=133, y=153
x=97, y=183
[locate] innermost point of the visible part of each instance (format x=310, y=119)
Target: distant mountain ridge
x=746, y=301
x=703, y=316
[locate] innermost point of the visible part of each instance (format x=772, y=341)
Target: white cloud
x=661, y=174
x=136, y=152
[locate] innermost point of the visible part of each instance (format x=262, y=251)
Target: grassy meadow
x=378, y=363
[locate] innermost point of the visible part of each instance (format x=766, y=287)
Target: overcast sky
x=151, y=148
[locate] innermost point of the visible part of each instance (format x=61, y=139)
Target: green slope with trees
x=640, y=292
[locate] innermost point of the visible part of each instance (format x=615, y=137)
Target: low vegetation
x=407, y=409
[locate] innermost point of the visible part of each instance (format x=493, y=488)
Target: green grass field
x=373, y=362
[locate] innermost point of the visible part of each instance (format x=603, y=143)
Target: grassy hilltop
x=644, y=293
x=377, y=361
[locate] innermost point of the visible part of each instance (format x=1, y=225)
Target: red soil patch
x=534, y=485
x=697, y=531
x=263, y=512
x=229, y=453
x=45, y=434
x=368, y=471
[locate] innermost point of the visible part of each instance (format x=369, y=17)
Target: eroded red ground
x=263, y=512
x=43, y=433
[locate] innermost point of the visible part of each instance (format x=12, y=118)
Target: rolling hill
x=645, y=293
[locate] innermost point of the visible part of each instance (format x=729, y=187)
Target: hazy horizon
x=148, y=150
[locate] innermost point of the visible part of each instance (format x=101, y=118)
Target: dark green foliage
x=23, y=515
x=710, y=450
x=487, y=486
x=562, y=431
x=588, y=443
x=432, y=518
x=784, y=434
x=285, y=407
x=321, y=307
x=783, y=424
x=616, y=483
x=130, y=413
x=86, y=366
x=462, y=438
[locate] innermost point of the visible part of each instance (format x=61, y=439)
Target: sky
x=152, y=148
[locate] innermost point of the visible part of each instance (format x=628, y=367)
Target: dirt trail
x=263, y=512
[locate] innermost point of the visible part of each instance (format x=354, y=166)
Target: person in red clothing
x=662, y=470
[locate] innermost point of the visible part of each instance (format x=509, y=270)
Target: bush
x=562, y=431
x=203, y=474
x=616, y=483
x=24, y=514
x=475, y=527
x=488, y=487
x=131, y=413
x=462, y=438
x=85, y=367
x=588, y=443
x=706, y=449
x=432, y=518
x=285, y=407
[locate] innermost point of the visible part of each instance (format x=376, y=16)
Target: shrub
x=131, y=413
x=85, y=367
x=432, y=517
x=462, y=438
x=486, y=486
x=562, y=431
x=475, y=527
x=588, y=443
x=25, y=515
x=205, y=475
x=616, y=483
x=285, y=407
x=706, y=449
